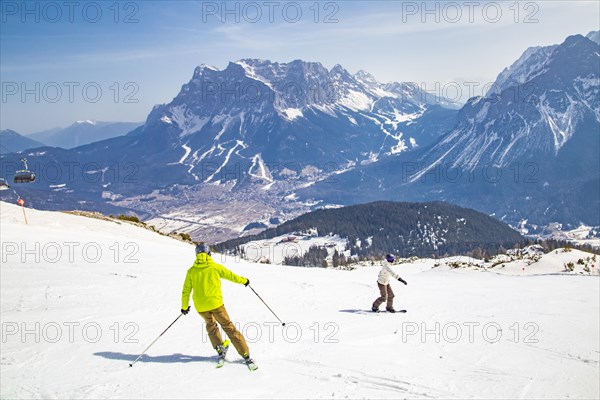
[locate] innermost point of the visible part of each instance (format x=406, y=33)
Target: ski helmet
x=203, y=248
x=389, y=258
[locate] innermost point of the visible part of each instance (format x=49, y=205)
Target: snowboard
x=385, y=312
x=358, y=311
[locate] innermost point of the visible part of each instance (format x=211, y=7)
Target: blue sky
x=139, y=53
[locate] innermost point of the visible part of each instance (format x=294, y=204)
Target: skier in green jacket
x=204, y=280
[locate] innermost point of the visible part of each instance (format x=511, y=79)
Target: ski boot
x=375, y=309
x=250, y=362
x=222, y=352
x=390, y=309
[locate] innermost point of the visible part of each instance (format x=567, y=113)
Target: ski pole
x=150, y=345
x=282, y=323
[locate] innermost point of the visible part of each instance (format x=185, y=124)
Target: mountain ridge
x=83, y=132
x=13, y=141
x=287, y=137
x=526, y=153
x=405, y=229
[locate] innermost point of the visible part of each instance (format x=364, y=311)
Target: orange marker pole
x=21, y=202
x=24, y=215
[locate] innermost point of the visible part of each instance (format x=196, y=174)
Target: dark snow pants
x=220, y=315
x=386, y=295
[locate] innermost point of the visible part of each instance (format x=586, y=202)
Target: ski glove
x=247, y=282
x=184, y=312
x=403, y=281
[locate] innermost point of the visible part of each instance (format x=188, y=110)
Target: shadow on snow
x=171, y=358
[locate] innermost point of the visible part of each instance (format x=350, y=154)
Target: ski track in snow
x=131, y=290
x=227, y=157
x=190, y=166
x=187, y=153
x=261, y=168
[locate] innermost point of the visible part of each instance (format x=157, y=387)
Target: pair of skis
x=222, y=350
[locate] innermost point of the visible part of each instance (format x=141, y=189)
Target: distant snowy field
x=80, y=298
x=275, y=250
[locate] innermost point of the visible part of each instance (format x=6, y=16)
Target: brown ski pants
x=386, y=295
x=220, y=315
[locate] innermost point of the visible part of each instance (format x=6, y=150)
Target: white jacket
x=385, y=274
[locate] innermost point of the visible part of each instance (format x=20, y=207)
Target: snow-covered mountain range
x=526, y=151
x=259, y=140
x=253, y=132
x=272, y=117
x=547, y=98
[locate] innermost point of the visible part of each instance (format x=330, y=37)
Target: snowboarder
x=204, y=279
x=385, y=289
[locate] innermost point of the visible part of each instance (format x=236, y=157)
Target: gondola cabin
x=4, y=184
x=24, y=175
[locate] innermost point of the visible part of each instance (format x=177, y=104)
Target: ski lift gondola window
x=24, y=175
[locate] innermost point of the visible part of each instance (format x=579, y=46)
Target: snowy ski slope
x=81, y=298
